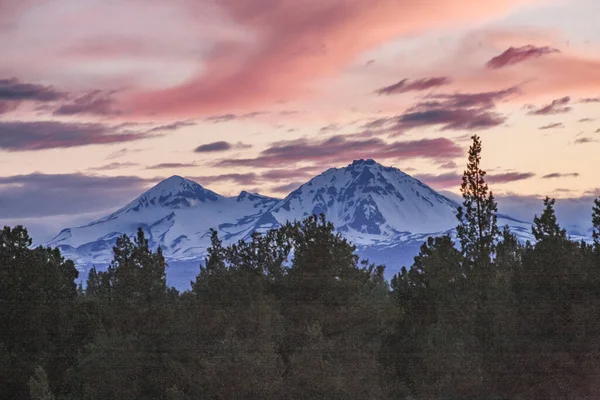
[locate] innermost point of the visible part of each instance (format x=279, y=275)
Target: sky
x=101, y=99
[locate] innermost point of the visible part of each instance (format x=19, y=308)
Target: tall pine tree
x=477, y=229
x=478, y=233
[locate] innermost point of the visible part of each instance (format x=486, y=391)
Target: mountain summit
x=382, y=210
x=176, y=192
x=369, y=203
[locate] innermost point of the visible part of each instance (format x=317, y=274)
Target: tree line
x=294, y=314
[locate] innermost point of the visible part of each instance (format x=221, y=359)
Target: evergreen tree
x=136, y=273
x=215, y=263
x=478, y=233
x=546, y=225
x=508, y=252
x=37, y=299
x=549, y=289
x=435, y=350
x=477, y=229
x=596, y=223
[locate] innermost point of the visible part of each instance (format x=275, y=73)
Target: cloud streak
x=585, y=140
x=416, y=85
x=453, y=179
x=339, y=149
x=552, y=126
x=515, y=55
x=223, y=118
x=456, y=111
x=172, y=165
x=558, y=106
x=96, y=102
x=15, y=90
x=43, y=135
x=555, y=175
x=220, y=146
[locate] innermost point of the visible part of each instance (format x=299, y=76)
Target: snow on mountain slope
x=368, y=203
x=386, y=213
x=175, y=214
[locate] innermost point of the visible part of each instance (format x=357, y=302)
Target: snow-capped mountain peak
x=175, y=192
x=369, y=202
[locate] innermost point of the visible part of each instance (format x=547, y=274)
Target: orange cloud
x=296, y=42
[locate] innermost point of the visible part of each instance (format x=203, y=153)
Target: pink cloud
x=299, y=41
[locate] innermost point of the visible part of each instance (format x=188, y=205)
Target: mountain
x=368, y=202
x=176, y=214
x=384, y=211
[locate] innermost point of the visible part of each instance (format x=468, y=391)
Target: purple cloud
x=220, y=146
x=219, y=119
x=15, y=90
x=173, y=126
x=453, y=179
x=452, y=119
x=552, y=126
x=96, y=102
x=508, y=177
x=585, y=140
x=406, y=85
x=122, y=153
x=558, y=106
x=42, y=135
x=590, y=100
x=561, y=175
x=338, y=149
x=456, y=111
x=515, y=55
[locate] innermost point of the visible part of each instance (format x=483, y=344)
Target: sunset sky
x=101, y=99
